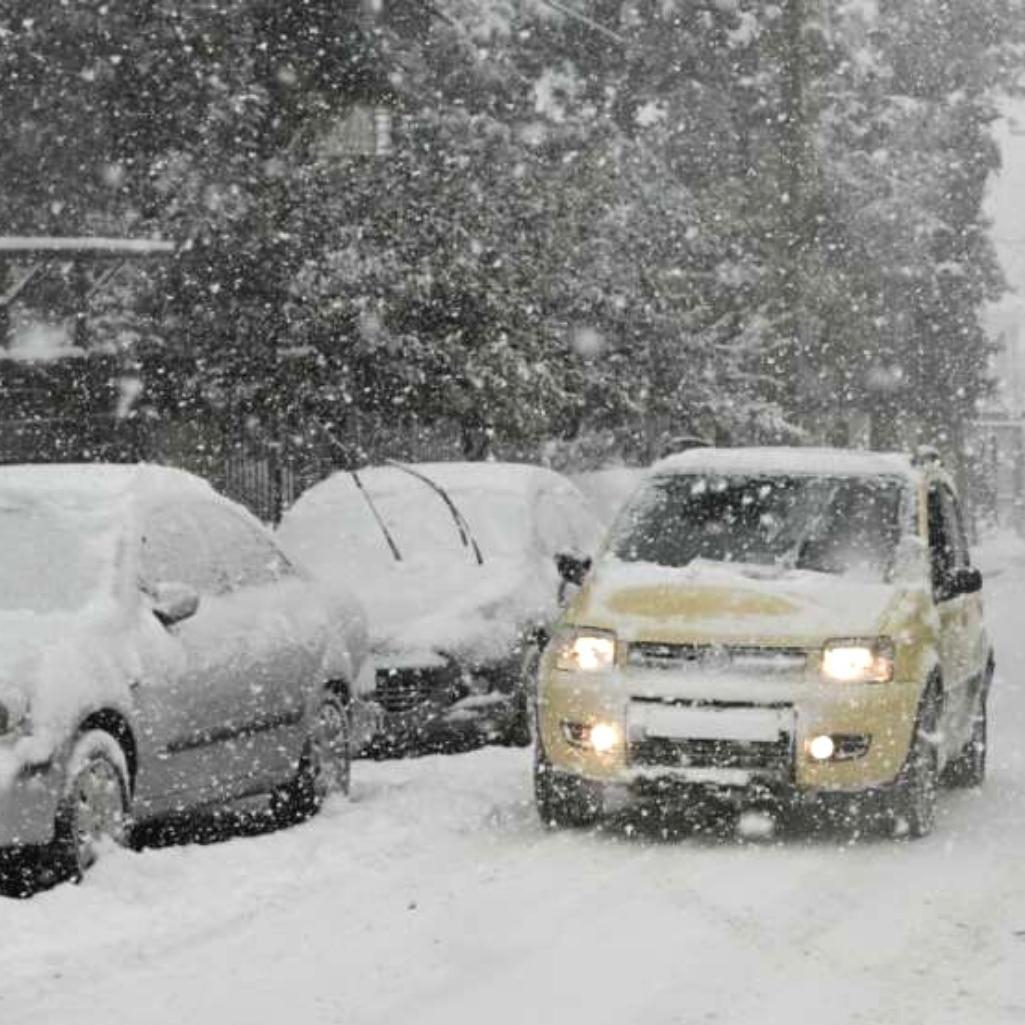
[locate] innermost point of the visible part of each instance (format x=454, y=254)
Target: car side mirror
x=173, y=602
x=967, y=580
x=572, y=568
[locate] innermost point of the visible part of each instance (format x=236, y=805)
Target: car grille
x=775, y=756
x=402, y=690
x=659, y=752
x=739, y=657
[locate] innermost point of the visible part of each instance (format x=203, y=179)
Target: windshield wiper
x=329, y=434
x=465, y=531
x=377, y=516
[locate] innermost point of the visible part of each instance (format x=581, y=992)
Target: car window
x=242, y=556
x=173, y=549
x=826, y=524
x=417, y=518
x=948, y=545
x=957, y=535
x=499, y=518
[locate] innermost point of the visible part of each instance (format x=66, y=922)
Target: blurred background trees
x=515, y=220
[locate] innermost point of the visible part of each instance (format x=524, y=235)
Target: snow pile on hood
x=732, y=601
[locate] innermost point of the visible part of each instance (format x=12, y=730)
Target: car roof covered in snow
x=830, y=462
x=507, y=478
x=489, y=476
x=99, y=483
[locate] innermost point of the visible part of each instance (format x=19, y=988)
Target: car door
x=226, y=715
x=973, y=650
x=175, y=696
x=957, y=611
x=262, y=650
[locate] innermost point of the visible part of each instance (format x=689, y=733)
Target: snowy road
x=434, y=896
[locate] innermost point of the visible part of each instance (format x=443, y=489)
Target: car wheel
x=564, y=801
x=325, y=766
x=968, y=769
x=913, y=808
x=94, y=809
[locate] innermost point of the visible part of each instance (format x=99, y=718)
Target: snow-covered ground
x=434, y=896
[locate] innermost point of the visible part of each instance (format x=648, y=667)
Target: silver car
x=159, y=652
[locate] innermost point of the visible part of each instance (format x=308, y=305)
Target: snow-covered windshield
x=500, y=519
x=50, y=561
x=833, y=525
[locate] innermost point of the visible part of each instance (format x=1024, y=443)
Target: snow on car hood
x=52, y=667
x=729, y=602
x=473, y=612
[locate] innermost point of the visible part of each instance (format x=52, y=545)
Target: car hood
x=474, y=613
x=25, y=640
x=707, y=602
x=49, y=667
x=54, y=665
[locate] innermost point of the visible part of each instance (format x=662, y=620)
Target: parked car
x=772, y=624
x=160, y=652
x=456, y=565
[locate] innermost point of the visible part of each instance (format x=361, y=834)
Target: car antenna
x=465, y=531
x=358, y=481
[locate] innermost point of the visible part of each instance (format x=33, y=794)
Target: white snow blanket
x=434, y=896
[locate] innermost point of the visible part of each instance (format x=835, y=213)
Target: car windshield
x=49, y=560
x=828, y=524
x=499, y=519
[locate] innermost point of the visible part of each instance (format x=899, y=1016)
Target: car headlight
x=858, y=660
x=584, y=650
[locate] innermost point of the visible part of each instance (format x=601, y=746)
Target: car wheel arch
x=114, y=723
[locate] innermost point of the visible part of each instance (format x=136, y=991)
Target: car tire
x=94, y=808
x=913, y=801
x=968, y=769
x=325, y=766
x=564, y=801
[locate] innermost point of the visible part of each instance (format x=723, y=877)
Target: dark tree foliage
x=726, y=218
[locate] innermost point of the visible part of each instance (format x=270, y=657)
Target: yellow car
x=770, y=624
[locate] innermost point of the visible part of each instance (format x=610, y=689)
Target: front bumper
x=653, y=751
x=440, y=703
x=29, y=795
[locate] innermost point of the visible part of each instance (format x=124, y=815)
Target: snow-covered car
x=160, y=652
x=609, y=489
x=782, y=625
x=456, y=564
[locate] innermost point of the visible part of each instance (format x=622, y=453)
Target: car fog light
x=821, y=748
x=604, y=737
